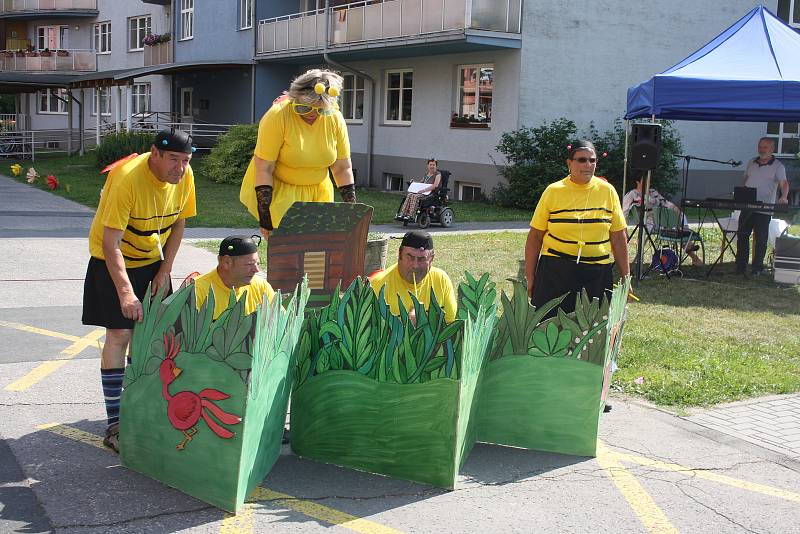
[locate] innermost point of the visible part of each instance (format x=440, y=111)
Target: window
x=353, y=97
x=789, y=12
x=138, y=29
x=469, y=192
x=141, y=97
x=52, y=37
x=102, y=37
x=53, y=101
x=245, y=14
x=785, y=135
x=475, y=87
x=187, y=106
x=187, y=19
x=394, y=182
x=399, y=89
x=105, y=101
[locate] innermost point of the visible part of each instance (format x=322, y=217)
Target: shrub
x=536, y=157
x=228, y=160
x=118, y=145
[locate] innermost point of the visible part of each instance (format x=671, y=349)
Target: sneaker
x=112, y=438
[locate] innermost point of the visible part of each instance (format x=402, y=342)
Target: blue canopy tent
x=749, y=73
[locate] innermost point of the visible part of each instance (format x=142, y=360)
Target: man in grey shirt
x=765, y=174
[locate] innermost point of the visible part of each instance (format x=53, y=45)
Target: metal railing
x=57, y=60
x=11, y=121
x=28, y=144
x=369, y=20
x=13, y=6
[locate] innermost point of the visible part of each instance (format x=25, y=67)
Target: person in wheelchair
x=426, y=200
x=655, y=199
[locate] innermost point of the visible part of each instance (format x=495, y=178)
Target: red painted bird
x=185, y=408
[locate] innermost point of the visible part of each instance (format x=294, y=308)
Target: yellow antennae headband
x=320, y=88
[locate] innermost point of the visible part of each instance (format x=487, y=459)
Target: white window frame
x=462, y=185
x=187, y=20
x=105, y=96
x=102, y=30
x=794, y=7
x=187, y=92
x=245, y=14
x=43, y=39
x=352, y=95
x=781, y=136
x=61, y=105
x=386, y=90
x=141, y=91
x=460, y=88
x=144, y=26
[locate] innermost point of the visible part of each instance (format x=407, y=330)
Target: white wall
x=579, y=58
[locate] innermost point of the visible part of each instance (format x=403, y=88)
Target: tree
x=536, y=157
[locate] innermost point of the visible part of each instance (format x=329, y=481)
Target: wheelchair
x=433, y=207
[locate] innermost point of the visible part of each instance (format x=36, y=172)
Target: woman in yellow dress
x=300, y=138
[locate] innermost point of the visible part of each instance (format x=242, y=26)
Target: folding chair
x=668, y=231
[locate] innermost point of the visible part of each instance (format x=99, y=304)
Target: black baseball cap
x=417, y=239
x=174, y=140
x=239, y=245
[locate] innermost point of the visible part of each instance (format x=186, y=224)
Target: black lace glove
x=348, y=193
x=263, y=200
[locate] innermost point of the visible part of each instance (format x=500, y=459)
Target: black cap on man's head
x=174, y=140
x=417, y=239
x=239, y=245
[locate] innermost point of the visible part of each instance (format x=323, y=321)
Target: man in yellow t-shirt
x=577, y=235
x=133, y=241
x=237, y=267
x=414, y=274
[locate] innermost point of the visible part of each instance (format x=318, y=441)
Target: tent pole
x=625, y=158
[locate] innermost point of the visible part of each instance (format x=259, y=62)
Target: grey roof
x=171, y=68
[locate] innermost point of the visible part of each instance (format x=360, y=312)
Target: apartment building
x=445, y=78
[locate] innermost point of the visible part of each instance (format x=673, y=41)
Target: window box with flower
x=154, y=39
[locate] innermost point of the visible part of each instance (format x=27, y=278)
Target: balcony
x=30, y=9
x=158, y=54
x=55, y=61
x=374, y=24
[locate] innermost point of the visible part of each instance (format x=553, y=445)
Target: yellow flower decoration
x=16, y=169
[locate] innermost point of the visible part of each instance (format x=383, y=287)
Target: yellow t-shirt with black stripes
x=302, y=152
x=577, y=219
x=211, y=281
x=135, y=201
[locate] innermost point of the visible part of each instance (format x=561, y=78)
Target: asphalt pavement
x=729, y=469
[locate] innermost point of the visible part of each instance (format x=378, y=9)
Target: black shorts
x=100, y=301
x=557, y=276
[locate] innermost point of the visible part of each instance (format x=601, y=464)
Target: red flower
x=52, y=182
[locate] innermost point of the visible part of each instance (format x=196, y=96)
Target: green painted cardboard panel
x=406, y=431
x=547, y=404
x=237, y=380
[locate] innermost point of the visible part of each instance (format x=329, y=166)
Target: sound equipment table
x=713, y=205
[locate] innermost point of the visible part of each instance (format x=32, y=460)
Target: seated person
x=237, y=266
x=408, y=211
x=654, y=198
x=413, y=274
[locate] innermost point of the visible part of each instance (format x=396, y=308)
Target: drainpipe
x=371, y=122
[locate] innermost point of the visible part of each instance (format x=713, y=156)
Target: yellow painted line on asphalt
x=243, y=522
x=74, y=434
x=645, y=508
x=43, y=370
x=40, y=331
x=710, y=475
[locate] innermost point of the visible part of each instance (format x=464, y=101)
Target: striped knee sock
x=112, y=389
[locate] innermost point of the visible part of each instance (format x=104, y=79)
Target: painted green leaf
x=152, y=365
x=214, y=354
x=239, y=360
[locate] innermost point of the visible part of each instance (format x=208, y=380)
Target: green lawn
x=218, y=205
x=690, y=341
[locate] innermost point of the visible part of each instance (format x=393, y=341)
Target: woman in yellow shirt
x=577, y=226
x=300, y=138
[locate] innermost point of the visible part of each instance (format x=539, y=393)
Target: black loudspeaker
x=645, y=146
